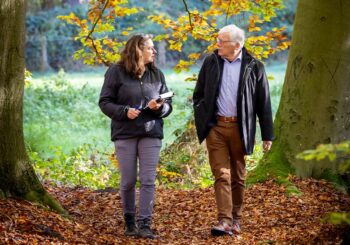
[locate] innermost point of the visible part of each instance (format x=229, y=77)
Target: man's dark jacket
x=253, y=98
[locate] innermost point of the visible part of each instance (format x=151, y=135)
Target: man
x=232, y=89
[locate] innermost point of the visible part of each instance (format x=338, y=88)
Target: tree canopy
x=192, y=23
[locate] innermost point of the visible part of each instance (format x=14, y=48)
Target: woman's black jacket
x=253, y=99
x=121, y=91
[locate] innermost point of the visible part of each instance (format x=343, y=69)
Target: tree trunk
x=315, y=102
x=44, y=66
x=47, y=4
x=72, y=3
x=162, y=54
x=18, y=178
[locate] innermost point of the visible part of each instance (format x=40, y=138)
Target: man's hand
x=153, y=105
x=133, y=113
x=267, y=145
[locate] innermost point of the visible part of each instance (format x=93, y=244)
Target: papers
x=165, y=96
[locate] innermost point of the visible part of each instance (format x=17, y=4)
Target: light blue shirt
x=227, y=100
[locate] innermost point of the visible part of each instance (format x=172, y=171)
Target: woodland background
x=296, y=194
x=66, y=132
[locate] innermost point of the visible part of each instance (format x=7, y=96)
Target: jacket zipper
x=241, y=91
x=142, y=93
x=243, y=77
x=245, y=70
x=218, y=66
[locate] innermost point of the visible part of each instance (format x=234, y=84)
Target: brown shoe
x=236, y=228
x=222, y=229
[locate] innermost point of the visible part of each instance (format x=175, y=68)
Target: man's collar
x=240, y=55
x=238, y=58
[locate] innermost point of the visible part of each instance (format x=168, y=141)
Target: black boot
x=145, y=229
x=130, y=225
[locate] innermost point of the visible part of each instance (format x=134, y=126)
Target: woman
x=129, y=97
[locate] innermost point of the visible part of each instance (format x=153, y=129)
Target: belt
x=226, y=119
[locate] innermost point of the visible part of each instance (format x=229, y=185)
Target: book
x=165, y=96
x=161, y=97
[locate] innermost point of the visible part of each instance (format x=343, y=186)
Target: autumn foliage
x=203, y=26
x=181, y=217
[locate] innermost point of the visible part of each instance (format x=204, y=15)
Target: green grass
x=60, y=110
x=61, y=114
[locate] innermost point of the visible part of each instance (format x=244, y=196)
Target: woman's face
x=148, y=52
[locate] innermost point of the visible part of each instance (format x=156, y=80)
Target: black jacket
x=121, y=91
x=253, y=99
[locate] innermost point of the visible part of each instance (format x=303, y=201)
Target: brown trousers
x=226, y=157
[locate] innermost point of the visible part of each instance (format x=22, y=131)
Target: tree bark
x=315, y=102
x=18, y=178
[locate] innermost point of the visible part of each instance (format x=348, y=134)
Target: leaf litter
x=270, y=216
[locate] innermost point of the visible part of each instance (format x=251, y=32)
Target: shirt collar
x=238, y=58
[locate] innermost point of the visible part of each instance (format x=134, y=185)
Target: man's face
x=226, y=47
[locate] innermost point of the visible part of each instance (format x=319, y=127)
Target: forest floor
x=181, y=217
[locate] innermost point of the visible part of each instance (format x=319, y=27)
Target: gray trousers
x=146, y=151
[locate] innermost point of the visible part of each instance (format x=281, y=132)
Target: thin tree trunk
x=315, y=103
x=162, y=54
x=47, y=4
x=18, y=178
x=72, y=3
x=45, y=66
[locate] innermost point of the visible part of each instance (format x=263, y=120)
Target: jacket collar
x=246, y=61
x=246, y=57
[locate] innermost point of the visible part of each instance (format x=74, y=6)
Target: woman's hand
x=133, y=113
x=153, y=105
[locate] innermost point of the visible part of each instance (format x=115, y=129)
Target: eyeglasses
x=222, y=41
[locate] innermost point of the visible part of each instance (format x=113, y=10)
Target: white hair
x=236, y=33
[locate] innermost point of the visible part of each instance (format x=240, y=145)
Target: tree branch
x=228, y=10
x=89, y=36
x=96, y=21
x=189, y=14
x=107, y=63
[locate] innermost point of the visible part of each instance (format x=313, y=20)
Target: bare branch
x=228, y=11
x=189, y=14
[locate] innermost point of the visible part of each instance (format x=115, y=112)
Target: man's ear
x=237, y=46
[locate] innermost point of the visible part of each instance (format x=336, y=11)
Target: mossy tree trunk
x=315, y=102
x=17, y=176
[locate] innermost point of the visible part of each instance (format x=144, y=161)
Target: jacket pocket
x=199, y=110
x=200, y=118
x=116, y=124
